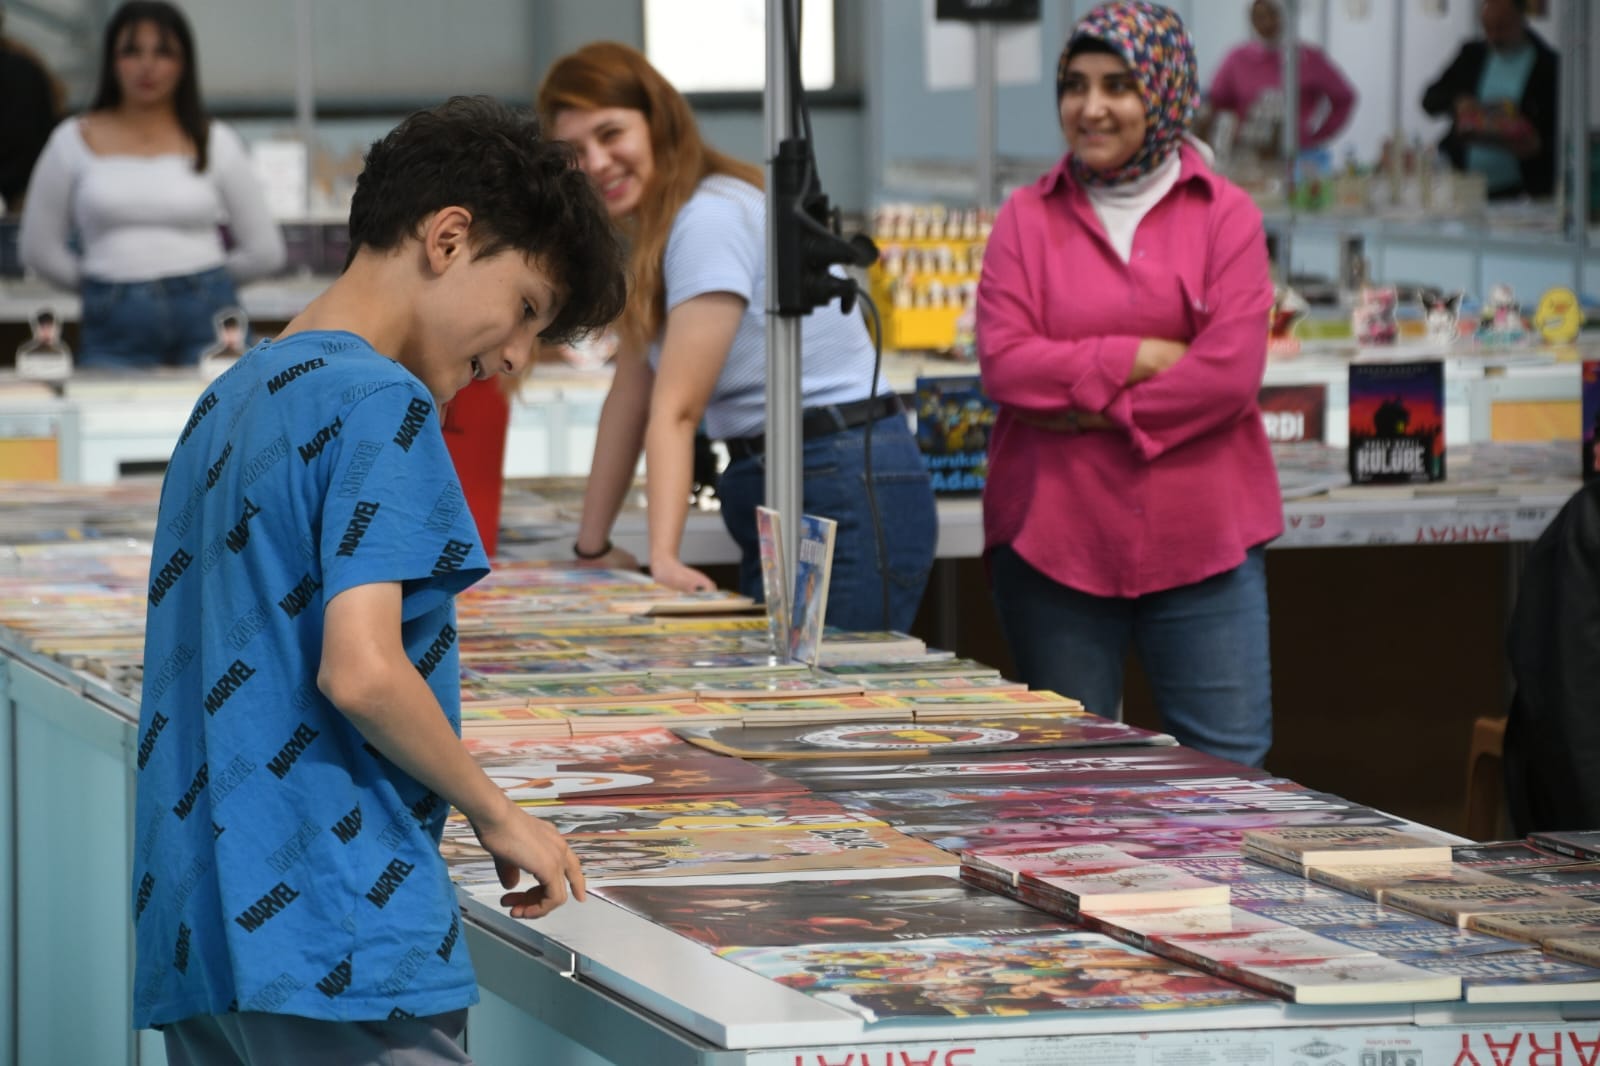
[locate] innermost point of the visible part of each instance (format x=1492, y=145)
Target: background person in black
x=1457, y=95
x=30, y=106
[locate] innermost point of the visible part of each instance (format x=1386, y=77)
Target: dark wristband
x=605, y=550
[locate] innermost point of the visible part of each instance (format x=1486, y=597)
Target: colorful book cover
x=954, y=419
x=895, y=739
x=1215, y=952
x=1336, y=910
x=1358, y=979
x=1402, y=940
x=793, y=811
x=753, y=854
x=654, y=742
x=1106, y=766
x=535, y=777
x=774, y=578
x=1128, y=888
x=822, y=912
x=1294, y=413
x=1397, y=422
x=812, y=571
x=1516, y=977
x=640, y=690
x=989, y=976
x=950, y=666
x=1141, y=928
x=1457, y=903
x=1591, y=418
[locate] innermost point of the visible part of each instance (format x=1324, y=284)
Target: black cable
x=800, y=115
x=872, y=494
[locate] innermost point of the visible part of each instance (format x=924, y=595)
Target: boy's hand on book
x=675, y=575
x=520, y=842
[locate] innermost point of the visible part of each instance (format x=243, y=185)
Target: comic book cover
x=1397, y=422
x=954, y=419
x=1402, y=940
x=1535, y=926
x=753, y=854
x=653, y=742
x=537, y=777
x=1502, y=855
x=795, y=810
x=1578, y=844
x=1455, y=904
x=1581, y=880
x=1356, y=979
x=930, y=666
x=1102, y=766
x=1217, y=952
x=1346, y=845
x=933, y=706
x=896, y=739
x=774, y=578
x=1142, y=928
x=812, y=572
x=822, y=912
x=993, y=976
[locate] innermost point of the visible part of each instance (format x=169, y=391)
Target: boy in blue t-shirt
x=299, y=733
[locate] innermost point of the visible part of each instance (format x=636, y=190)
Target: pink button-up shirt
x=1184, y=483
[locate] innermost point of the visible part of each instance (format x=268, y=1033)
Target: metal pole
x=984, y=77
x=1576, y=63
x=305, y=111
x=783, y=448
x=1289, y=137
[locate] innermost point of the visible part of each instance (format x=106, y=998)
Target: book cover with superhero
x=1397, y=422
x=954, y=419
x=832, y=911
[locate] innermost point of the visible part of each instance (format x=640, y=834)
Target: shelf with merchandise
x=925, y=281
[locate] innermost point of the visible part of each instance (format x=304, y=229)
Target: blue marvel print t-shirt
x=281, y=864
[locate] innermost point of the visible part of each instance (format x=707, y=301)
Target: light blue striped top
x=718, y=243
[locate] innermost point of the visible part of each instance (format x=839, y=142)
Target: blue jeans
x=165, y=322
x=835, y=487
x=1203, y=648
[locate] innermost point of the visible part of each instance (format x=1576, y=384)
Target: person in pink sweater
x=1252, y=75
x=1122, y=331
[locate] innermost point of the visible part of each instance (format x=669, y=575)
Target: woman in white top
x=694, y=344
x=126, y=202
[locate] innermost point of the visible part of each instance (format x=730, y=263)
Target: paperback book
x=812, y=571
x=1345, y=845
x=1358, y=979
x=1500, y=855
x=1583, y=950
x=1455, y=904
x=1583, y=845
x=1516, y=977
x=1220, y=953
x=774, y=578
x=954, y=418
x=796, y=811
x=1396, y=422
x=829, y=911
x=1536, y=926
x=1579, y=880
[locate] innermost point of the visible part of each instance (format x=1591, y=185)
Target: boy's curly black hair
x=525, y=192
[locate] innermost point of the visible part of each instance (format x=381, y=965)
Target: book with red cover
x=1579, y=844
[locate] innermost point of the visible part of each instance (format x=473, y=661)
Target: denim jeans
x=1203, y=648
x=835, y=487
x=165, y=322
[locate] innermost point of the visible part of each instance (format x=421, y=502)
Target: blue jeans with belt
x=164, y=322
x=835, y=487
x=1203, y=648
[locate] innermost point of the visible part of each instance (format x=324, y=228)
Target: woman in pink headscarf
x=1122, y=329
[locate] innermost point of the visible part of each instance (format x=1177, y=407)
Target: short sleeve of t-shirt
x=715, y=246
x=394, y=509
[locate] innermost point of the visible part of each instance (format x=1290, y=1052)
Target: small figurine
x=1441, y=315
x=1559, y=317
x=1373, y=321
x=1501, y=321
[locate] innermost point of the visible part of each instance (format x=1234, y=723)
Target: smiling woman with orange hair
x=694, y=344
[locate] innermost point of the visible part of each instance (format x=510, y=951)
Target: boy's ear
x=444, y=237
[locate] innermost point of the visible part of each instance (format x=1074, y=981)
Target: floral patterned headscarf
x=1152, y=41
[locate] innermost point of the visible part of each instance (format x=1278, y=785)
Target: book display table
x=592, y=983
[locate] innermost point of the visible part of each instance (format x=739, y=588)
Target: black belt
x=821, y=421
